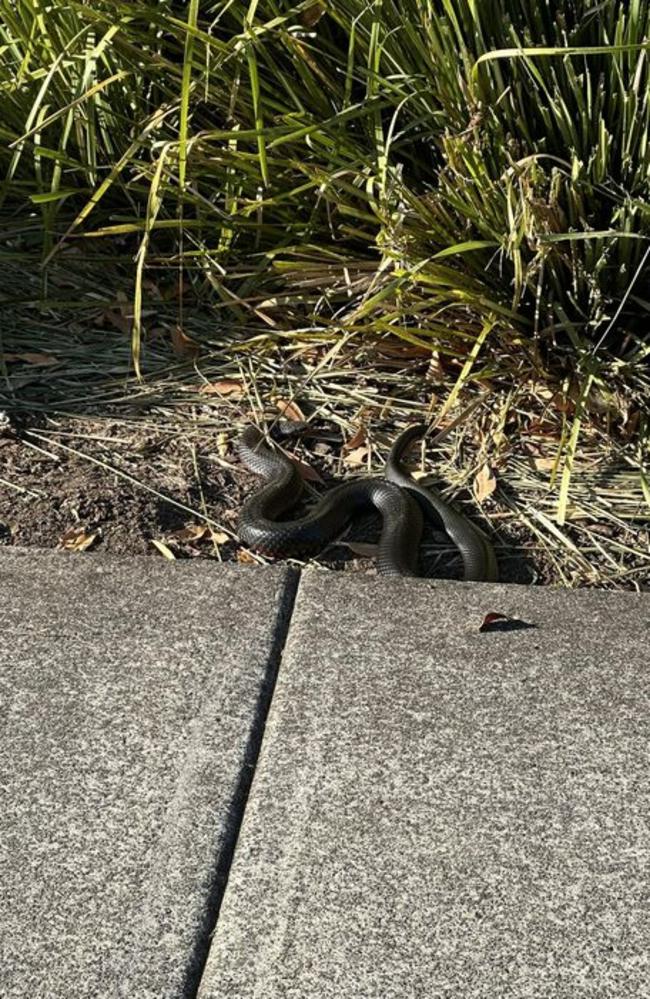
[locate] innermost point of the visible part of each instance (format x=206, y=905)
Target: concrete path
x=436, y=811
x=441, y=812
x=132, y=700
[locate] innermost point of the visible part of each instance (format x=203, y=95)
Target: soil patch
x=122, y=486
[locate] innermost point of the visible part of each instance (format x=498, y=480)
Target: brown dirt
x=50, y=497
x=47, y=491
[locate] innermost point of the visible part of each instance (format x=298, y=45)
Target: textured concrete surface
x=131, y=699
x=439, y=812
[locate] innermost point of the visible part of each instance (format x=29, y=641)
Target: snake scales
x=402, y=503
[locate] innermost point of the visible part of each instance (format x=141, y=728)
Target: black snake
x=400, y=500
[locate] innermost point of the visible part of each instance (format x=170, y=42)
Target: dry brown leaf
x=191, y=532
x=484, y=484
x=163, y=549
x=184, y=345
x=358, y=438
x=119, y=314
x=226, y=388
x=356, y=457
x=77, y=539
x=544, y=464
x=39, y=360
x=290, y=410
x=245, y=558
x=219, y=537
x=116, y=319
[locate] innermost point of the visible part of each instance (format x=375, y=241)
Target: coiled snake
x=400, y=500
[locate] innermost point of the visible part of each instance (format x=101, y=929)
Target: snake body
x=400, y=500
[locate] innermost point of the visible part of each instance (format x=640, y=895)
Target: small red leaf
x=492, y=619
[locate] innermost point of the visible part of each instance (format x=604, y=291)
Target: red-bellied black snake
x=400, y=500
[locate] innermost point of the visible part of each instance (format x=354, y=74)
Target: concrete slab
x=440, y=812
x=132, y=696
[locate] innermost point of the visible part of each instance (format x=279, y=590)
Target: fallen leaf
x=219, y=537
x=358, y=438
x=502, y=622
x=545, y=464
x=191, y=532
x=77, y=539
x=290, y=410
x=184, y=345
x=163, y=549
x=226, y=388
x=116, y=319
x=484, y=484
x=39, y=360
x=245, y=558
x=356, y=457
x=490, y=620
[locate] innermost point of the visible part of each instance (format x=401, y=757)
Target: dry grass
x=368, y=391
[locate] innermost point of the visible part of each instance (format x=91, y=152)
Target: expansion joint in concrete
x=237, y=809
